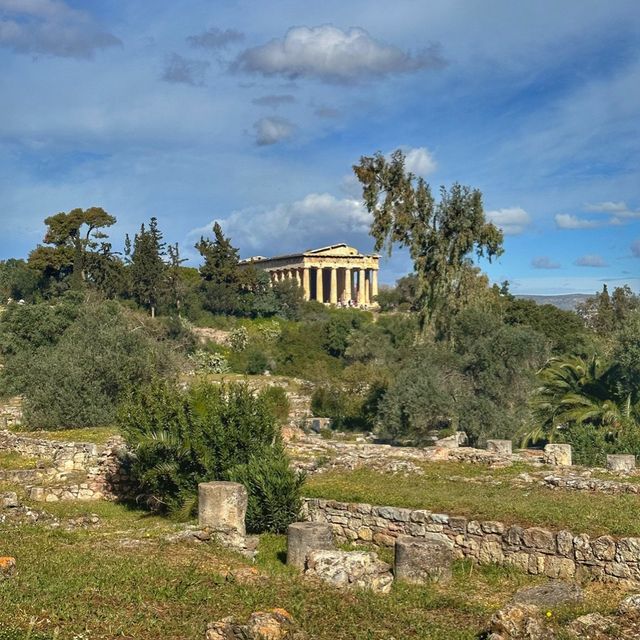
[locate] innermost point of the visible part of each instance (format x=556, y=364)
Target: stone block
x=350, y=569
x=222, y=507
x=418, y=560
x=621, y=462
x=500, y=447
x=539, y=539
x=558, y=455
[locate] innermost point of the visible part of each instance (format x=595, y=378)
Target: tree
x=146, y=265
x=17, y=280
x=72, y=235
x=441, y=237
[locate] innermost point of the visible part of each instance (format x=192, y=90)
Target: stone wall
x=556, y=554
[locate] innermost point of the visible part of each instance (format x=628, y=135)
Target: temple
x=337, y=274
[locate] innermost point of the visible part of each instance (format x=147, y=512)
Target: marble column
x=306, y=284
x=374, y=283
x=361, y=286
x=367, y=286
x=333, y=290
x=348, y=277
x=319, y=287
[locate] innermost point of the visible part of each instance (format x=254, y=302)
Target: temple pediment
x=341, y=249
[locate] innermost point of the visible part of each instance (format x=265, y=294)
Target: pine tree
x=146, y=266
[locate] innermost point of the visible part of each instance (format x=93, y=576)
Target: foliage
x=274, y=491
x=146, y=266
x=17, y=280
x=239, y=338
x=606, y=313
x=278, y=402
x=256, y=361
x=203, y=433
x=481, y=385
x=581, y=401
x=440, y=237
x=207, y=362
x=80, y=380
x=71, y=236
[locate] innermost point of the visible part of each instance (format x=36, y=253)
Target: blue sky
x=252, y=113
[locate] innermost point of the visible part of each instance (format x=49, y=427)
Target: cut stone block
x=501, y=447
x=621, y=462
x=222, y=507
x=303, y=537
x=420, y=560
x=558, y=455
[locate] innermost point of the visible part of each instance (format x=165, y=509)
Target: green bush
x=208, y=432
x=257, y=362
x=277, y=401
x=274, y=491
x=79, y=380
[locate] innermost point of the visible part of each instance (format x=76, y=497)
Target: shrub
x=274, y=491
x=208, y=432
x=277, y=401
x=206, y=362
x=79, y=381
x=257, y=362
x=239, y=338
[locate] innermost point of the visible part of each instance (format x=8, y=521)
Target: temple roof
x=338, y=250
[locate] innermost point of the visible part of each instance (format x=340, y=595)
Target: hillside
x=567, y=302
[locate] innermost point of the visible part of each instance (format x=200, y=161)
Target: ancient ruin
x=337, y=274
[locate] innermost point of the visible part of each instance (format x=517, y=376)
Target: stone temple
x=337, y=274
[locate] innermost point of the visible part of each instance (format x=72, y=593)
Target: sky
x=252, y=113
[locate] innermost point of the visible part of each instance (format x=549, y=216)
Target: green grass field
x=123, y=580
x=580, y=512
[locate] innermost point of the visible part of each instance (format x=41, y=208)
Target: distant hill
x=568, y=302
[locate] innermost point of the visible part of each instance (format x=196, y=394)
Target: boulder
x=519, y=622
x=420, y=560
x=276, y=624
x=621, y=462
x=558, y=455
x=350, y=569
x=552, y=594
x=500, y=447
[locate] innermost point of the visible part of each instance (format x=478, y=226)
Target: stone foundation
x=556, y=554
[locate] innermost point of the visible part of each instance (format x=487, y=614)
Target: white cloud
x=635, y=248
x=333, y=55
x=419, y=160
x=50, y=27
x=591, y=260
x=569, y=221
x=544, y=262
x=512, y=221
x=619, y=210
x=317, y=219
x=184, y=70
x=272, y=130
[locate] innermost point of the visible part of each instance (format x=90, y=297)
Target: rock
x=9, y=500
x=630, y=606
x=551, y=594
x=276, y=624
x=303, y=537
x=558, y=455
x=621, y=462
x=540, y=539
x=593, y=626
x=500, y=447
x=350, y=569
x=519, y=622
x=420, y=560
x=8, y=567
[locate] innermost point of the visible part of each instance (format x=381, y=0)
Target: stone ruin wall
x=70, y=470
x=534, y=550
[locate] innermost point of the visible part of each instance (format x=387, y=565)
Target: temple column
x=374, y=283
x=347, y=284
x=319, y=288
x=361, y=286
x=296, y=275
x=306, y=284
x=333, y=290
x=367, y=287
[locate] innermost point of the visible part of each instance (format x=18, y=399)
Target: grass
x=580, y=512
x=11, y=460
x=123, y=580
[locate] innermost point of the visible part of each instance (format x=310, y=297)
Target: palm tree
x=577, y=391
